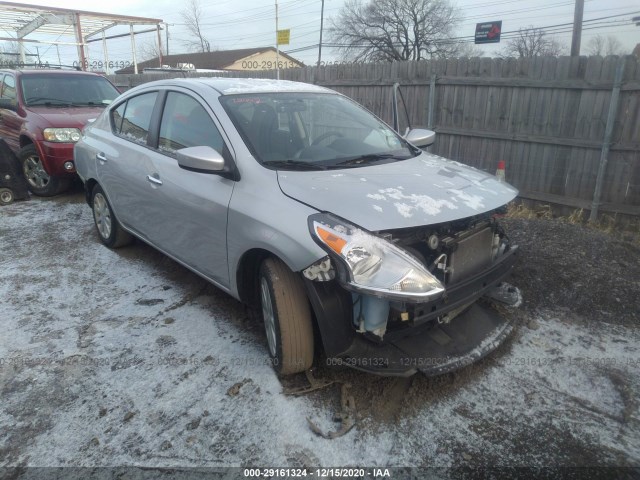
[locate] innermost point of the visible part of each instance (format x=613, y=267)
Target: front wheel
x=38, y=180
x=109, y=229
x=287, y=318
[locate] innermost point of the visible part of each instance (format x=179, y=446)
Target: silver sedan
x=351, y=243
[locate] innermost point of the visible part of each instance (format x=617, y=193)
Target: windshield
x=313, y=131
x=67, y=90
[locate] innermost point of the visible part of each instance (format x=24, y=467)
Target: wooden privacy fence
x=557, y=122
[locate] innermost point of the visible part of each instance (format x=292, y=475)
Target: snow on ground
x=123, y=357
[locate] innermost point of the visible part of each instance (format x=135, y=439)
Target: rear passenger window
x=136, y=117
x=185, y=123
x=116, y=117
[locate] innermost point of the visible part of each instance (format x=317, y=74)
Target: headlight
x=372, y=264
x=68, y=135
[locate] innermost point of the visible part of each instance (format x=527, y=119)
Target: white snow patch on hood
x=426, y=189
x=409, y=204
x=471, y=201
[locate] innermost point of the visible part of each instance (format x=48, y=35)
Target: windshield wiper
x=90, y=104
x=368, y=158
x=37, y=101
x=293, y=165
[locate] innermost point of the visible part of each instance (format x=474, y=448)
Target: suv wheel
x=38, y=180
x=109, y=229
x=287, y=318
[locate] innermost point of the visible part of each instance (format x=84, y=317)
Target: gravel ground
x=124, y=357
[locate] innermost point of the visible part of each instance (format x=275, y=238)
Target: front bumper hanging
x=433, y=351
x=426, y=346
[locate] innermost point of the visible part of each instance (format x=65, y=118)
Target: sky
x=231, y=24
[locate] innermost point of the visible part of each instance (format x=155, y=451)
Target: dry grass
x=522, y=211
x=577, y=216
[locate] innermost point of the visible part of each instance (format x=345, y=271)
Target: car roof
x=231, y=86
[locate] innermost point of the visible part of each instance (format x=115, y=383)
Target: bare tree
x=192, y=16
x=468, y=50
x=388, y=30
x=532, y=42
x=9, y=52
x=149, y=50
x=608, y=45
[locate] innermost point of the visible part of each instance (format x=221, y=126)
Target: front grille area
x=472, y=255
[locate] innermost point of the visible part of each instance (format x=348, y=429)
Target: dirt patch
x=586, y=274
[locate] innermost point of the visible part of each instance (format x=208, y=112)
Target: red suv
x=42, y=113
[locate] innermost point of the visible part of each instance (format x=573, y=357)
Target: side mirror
x=202, y=159
x=8, y=103
x=420, y=137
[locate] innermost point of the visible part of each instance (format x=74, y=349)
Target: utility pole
x=277, y=46
x=320, y=44
x=577, y=28
x=166, y=25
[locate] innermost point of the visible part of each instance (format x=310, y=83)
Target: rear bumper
x=54, y=155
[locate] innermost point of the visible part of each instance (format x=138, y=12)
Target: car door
x=123, y=163
x=190, y=208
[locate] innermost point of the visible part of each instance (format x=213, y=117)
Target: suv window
x=59, y=89
x=185, y=123
x=133, y=118
x=8, y=87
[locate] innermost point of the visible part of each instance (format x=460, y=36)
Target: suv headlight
x=68, y=135
x=371, y=264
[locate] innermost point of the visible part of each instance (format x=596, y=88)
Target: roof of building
x=19, y=20
x=217, y=60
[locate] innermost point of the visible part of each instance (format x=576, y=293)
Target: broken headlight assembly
x=372, y=265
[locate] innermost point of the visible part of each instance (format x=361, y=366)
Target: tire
x=287, y=317
x=109, y=230
x=38, y=180
x=6, y=196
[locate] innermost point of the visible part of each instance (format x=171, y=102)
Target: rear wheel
x=6, y=196
x=287, y=317
x=109, y=229
x=38, y=180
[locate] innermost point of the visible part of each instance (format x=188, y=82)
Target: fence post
x=606, y=143
x=432, y=99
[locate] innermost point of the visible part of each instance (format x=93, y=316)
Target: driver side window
x=132, y=118
x=185, y=123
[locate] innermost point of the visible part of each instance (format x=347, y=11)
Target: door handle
x=155, y=180
x=101, y=157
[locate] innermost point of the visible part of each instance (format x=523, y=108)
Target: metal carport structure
x=84, y=27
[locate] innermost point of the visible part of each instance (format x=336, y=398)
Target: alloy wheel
x=102, y=215
x=34, y=172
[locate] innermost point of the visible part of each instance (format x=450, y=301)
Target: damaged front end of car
x=410, y=300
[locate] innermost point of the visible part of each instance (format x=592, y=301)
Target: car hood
x=423, y=190
x=73, y=117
